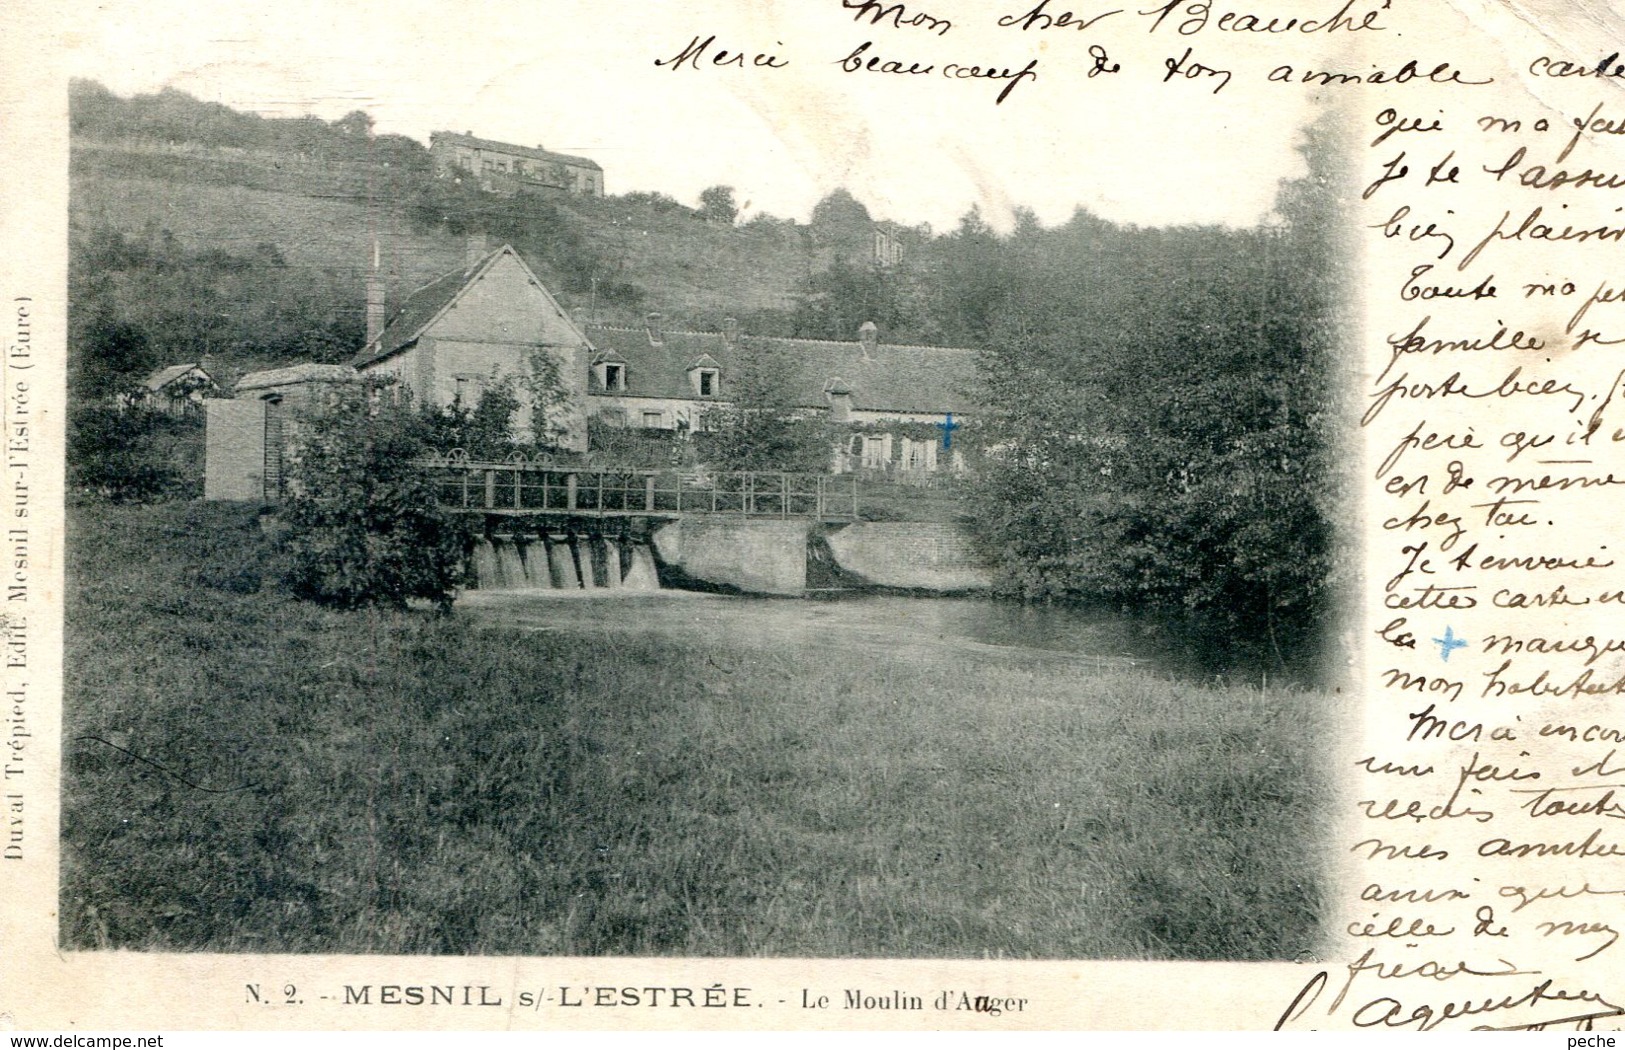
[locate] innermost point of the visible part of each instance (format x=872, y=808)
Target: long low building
x=652, y=378
x=502, y=167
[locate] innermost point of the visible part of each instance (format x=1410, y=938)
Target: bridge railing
x=532, y=487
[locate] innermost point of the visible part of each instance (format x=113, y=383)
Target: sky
x=580, y=77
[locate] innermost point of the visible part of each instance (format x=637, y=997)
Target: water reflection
x=894, y=622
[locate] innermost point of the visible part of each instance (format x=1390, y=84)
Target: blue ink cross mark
x=948, y=427
x=1448, y=644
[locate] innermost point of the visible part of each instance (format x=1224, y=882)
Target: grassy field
x=248, y=773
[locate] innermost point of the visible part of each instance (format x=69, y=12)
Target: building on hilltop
x=888, y=244
x=501, y=167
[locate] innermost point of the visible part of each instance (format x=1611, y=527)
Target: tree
x=544, y=390
x=482, y=430
x=841, y=224
x=1160, y=417
x=717, y=204
x=363, y=524
x=759, y=428
x=110, y=357
x=976, y=278
x=356, y=124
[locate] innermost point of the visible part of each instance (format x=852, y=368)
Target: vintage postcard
x=825, y=515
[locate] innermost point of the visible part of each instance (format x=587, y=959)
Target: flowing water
x=505, y=564
x=890, y=622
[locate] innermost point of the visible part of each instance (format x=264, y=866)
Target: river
x=868, y=621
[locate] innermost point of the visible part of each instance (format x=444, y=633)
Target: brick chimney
x=375, y=307
x=730, y=332
x=474, y=250
x=868, y=338
x=657, y=337
x=375, y=298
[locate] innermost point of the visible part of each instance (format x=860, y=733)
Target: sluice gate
x=552, y=526
x=563, y=562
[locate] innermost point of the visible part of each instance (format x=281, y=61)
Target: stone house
x=470, y=329
x=490, y=322
x=502, y=167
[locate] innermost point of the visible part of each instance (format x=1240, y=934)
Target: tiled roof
x=423, y=306
x=472, y=142
x=892, y=378
x=307, y=373
x=427, y=303
x=165, y=376
x=419, y=308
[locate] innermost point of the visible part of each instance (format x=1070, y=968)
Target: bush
x=630, y=446
x=134, y=456
x=759, y=428
x=363, y=527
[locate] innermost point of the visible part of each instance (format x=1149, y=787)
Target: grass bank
x=248, y=773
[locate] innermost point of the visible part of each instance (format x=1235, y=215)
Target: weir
x=579, y=528
x=528, y=487
x=567, y=562
x=584, y=564
x=561, y=562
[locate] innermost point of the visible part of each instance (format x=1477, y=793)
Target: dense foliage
x=759, y=429
x=483, y=430
x=363, y=527
x=140, y=301
x=175, y=118
x=134, y=454
x=1163, y=405
x=540, y=230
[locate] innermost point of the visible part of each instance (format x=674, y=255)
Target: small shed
x=175, y=389
x=248, y=438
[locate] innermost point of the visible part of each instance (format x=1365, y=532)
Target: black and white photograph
x=578, y=480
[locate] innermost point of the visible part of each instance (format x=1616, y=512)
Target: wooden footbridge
x=530, y=487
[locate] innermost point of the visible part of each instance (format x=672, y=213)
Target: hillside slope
x=324, y=217
x=201, y=233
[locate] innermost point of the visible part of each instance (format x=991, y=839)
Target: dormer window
x=609, y=372
x=840, y=399
x=705, y=376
